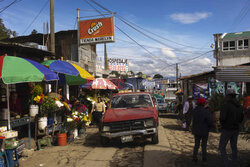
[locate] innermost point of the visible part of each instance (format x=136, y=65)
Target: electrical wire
x=124, y=21
x=46, y=3
x=75, y=24
x=185, y=61
x=195, y=53
x=151, y=54
x=188, y=60
x=240, y=17
x=166, y=39
x=12, y=3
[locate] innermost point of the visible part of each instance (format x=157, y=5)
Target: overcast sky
x=186, y=28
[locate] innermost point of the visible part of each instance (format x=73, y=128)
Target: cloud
x=189, y=18
x=168, y=52
x=197, y=66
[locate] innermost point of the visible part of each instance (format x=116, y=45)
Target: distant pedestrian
x=230, y=118
x=188, y=108
x=202, y=121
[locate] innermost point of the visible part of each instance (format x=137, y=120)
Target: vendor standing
x=99, y=109
x=15, y=104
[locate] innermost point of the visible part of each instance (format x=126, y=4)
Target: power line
x=12, y=3
x=130, y=37
x=242, y=14
x=46, y=3
x=188, y=60
x=146, y=35
x=123, y=20
x=158, y=35
x=195, y=53
x=75, y=24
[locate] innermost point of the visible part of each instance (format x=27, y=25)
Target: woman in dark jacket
x=202, y=121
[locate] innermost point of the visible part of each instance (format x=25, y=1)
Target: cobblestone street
x=176, y=146
x=174, y=150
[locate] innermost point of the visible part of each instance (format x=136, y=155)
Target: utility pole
x=78, y=32
x=52, y=27
x=105, y=57
x=216, y=49
x=177, y=72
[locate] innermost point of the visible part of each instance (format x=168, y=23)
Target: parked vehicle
x=162, y=105
x=130, y=116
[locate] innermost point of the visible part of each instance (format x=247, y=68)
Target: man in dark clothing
x=202, y=121
x=230, y=118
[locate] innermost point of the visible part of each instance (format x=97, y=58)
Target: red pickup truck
x=130, y=115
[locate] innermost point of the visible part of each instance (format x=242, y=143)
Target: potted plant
x=34, y=108
x=80, y=118
x=47, y=109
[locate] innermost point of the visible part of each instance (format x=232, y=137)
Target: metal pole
x=177, y=72
x=52, y=27
x=105, y=57
x=78, y=32
x=8, y=105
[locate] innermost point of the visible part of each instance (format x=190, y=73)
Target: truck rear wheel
x=155, y=139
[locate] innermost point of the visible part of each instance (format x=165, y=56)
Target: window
x=243, y=44
x=131, y=101
x=228, y=45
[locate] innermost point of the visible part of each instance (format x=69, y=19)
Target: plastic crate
x=12, y=157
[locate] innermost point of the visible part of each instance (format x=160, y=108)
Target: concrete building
x=232, y=49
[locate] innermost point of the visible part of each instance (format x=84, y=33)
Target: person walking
x=202, y=121
x=188, y=108
x=231, y=116
x=99, y=109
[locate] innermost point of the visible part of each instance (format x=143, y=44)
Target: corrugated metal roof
x=196, y=75
x=237, y=35
x=233, y=74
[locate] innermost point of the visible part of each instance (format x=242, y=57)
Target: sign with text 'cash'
x=96, y=30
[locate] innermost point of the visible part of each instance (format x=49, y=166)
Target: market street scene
x=107, y=83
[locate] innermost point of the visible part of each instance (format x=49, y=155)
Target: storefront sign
x=118, y=64
x=96, y=30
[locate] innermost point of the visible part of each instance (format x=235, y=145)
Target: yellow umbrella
x=83, y=73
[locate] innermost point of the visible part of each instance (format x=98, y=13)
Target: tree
x=139, y=74
x=5, y=32
x=34, y=31
x=117, y=75
x=158, y=76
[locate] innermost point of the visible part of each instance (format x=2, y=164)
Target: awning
x=233, y=73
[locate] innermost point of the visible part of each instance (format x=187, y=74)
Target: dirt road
x=174, y=150
x=176, y=147
x=87, y=153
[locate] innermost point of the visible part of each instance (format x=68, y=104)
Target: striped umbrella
x=74, y=74
x=18, y=70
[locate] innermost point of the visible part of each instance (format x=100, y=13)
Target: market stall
x=18, y=70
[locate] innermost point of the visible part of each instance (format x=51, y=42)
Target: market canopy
x=18, y=70
x=99, y=83
x=59, y=66
x=74, y=74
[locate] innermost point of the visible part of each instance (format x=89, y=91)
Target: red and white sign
x=96, y=30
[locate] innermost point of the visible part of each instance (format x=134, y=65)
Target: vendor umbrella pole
x=56, y=83
x=8, y=105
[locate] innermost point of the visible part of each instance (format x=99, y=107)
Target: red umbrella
x=101, y=83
